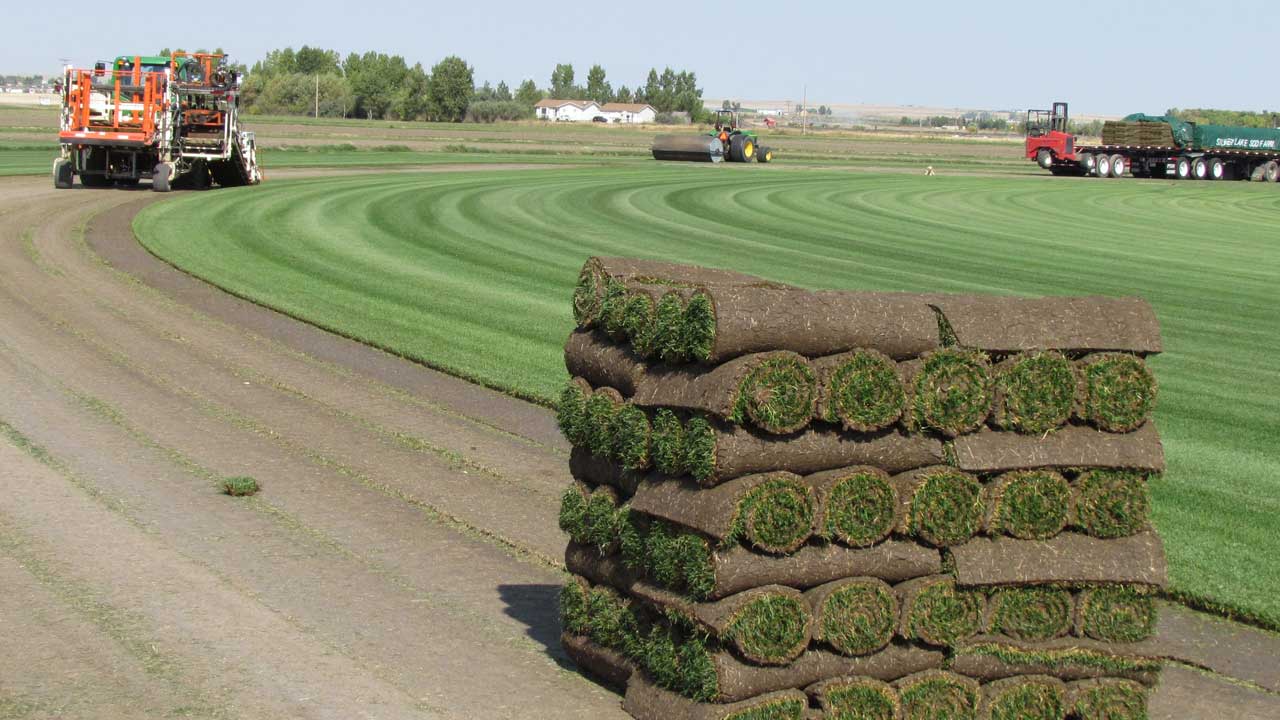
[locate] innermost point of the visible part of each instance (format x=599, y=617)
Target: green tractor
x=728, y=141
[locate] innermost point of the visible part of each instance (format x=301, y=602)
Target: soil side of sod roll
x=993, y=451
x=861, y=390
x=738, y=568
x=1107, y=699
x=858, y=506
x=730, y=451
x=608, y=666
x=1069, y=558
x=590, y=355
x=1002, y=324
x=932, y=694
x=759, y=319
x=772, y=512
x=585, y=467
x=992, y=658
x=738, y=680
x=775, y=391
x=1032, y=697
x=646, y=701
x=856, y=698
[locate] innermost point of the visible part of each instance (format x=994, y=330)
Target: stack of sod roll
x=854, y=505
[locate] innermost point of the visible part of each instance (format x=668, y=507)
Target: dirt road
x=400, y=562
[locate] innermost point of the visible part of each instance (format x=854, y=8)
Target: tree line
x=376, y=85
x=1241, y=118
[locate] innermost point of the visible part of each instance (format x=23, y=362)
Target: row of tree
x=1242, y=118
x=311, y=81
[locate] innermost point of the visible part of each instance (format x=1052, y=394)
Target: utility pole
x=317, y=96
x=804, y=109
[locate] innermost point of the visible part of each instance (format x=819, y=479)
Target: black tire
x=161, y=176
x=1102, y=164
x=1119, y=166
x=1087, y=163
x=1218, y=169
x=1183, y=170
x=741, y=148
x=1200, y=169
x=764, y=154
x=1044, y=158
x=64, y=174
x=1271, y=171
x=94, y=180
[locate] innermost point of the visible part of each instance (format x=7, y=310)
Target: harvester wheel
x=94, y=180
x=1119, y=166
x=741, y=148
x=1184, y=168
x=64, y=175
x=161, y=177
x=1200, y=169
x=1271, y=171
x=1044, y=158
x=1103, y=166
x=764, y=154
x=1217, y=169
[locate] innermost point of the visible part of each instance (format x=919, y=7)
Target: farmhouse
x=629, y=112
x=567, y=110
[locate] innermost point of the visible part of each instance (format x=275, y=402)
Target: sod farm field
x=472, y=272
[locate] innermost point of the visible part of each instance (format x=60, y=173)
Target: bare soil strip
x=401, y=560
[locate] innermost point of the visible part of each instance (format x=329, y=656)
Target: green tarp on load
x=1230, y=137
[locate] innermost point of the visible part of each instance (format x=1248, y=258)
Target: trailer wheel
x=1217, y=169
x=764, y=154
x=1184, y=168
x=64, y=174
x=1087, y=163
x=1103, y=166
x=160, y=178
x=1271, y=171
x=1119, y=165
x=1044, y=158
x=1200, y=169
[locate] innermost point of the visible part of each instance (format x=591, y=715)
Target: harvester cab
x=1048, y=139
x=726, y=141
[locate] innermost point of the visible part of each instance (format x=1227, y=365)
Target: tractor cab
x=1048, y=140
x=739, y=145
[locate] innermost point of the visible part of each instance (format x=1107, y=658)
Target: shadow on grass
x=538, y=608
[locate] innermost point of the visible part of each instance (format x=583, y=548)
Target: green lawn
x=472, y=272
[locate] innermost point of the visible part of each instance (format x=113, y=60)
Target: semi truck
x=1154, y=146
x=174, y=120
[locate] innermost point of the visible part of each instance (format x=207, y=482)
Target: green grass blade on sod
x=1112, y=503
x=861, y=390
x=935, y=611
x=1029, y=504
x=951, y=391
x=857, y=698
x=1118, y=613
x=1108, y=699
x=1035, y=392
x=944, y=506
x=1119, y=391
x=938, y=694
x=854, y=616
x=1032, y=697
x=1031, y=613
x=859, y=505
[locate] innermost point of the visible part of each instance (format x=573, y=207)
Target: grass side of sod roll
x=933, y=695
x=865, y=392
x=1117, y=614
x=1110, y=699
x=952, y=392
x=778, y=395
x=1036, y=392
x=771, y=629
x=698, y=328
x=668, y=443
x=678, y=658
x=586, y=297
x=861, y=699
x=600, y=410
x=699, y=448
x=571, y=412
x=942, y=614
x=613, y=308
x=946, y=507
x=1032, y=613
x=668, y=328
x=638, y=323
x=775, y=516
x=858, y=618
x=573, y=513
x=778, y=710
x=1031, y=504
x=612, y=620
x=676, y=559
x=861, y=509
x=1112, y=503
x=602, y=518
x=631, y=437
x=1119, y=391
x=573, y=607
x=1025, y=699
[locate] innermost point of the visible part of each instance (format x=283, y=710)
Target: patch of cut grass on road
x=474, y=273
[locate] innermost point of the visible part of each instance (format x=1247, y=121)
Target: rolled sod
x=639, y=317
x=990, y=658
x=861, y=390
x=588, y=468
x=1034, y=392
x=1119, y=391
x=668, y=443
x=573, y=512
x=1111, y=503
x=596, y=271
x=602, y=520
x=601, y=408
x=1029, y=504
x=936, y=694
x=571, y=412
x=856, y=698
x=772, y=512
x=736, y=680
x=935, y=611
x=667, y=341
x=858, y=506
x=716, y=451
x=573, y=606
x=612, y=306
x=854, y=616
x=1118, y=614
x=727, y=321
x=1068, y=447
x=950, y=391
x=609, y=666
x=1031, y=613
x=1008, y=325
x=776, y=392
x=632, y=435
x=646, y=701
x=1070, y=558
x=588, y=354
x=940, y=505
x=1034, y=697
x=1108, y=699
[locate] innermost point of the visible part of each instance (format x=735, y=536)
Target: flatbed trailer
x=1052, y=147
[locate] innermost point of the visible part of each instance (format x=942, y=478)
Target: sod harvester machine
x=727, y=142
x=174, y=120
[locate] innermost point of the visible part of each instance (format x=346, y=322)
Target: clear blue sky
x=1104, y=57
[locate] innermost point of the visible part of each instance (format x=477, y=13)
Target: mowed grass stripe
x=472, y=273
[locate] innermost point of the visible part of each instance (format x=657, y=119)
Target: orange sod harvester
x=171, y=119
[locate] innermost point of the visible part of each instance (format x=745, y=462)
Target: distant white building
x=567, y=110
x=629, y=112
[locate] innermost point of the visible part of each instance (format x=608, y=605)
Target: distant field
x=472, y=272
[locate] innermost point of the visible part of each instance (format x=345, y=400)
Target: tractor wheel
x=1184, y=168
x=1119, y=166
x=94, y=180
x=764, y=154
x=1271, y=171
x=1200, y=169
x=1217, y=169
x=741, y=148
x=64, y=174
x=1103, y=165
x=161, y=177
x=1087, y=163
x=1044, y=158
